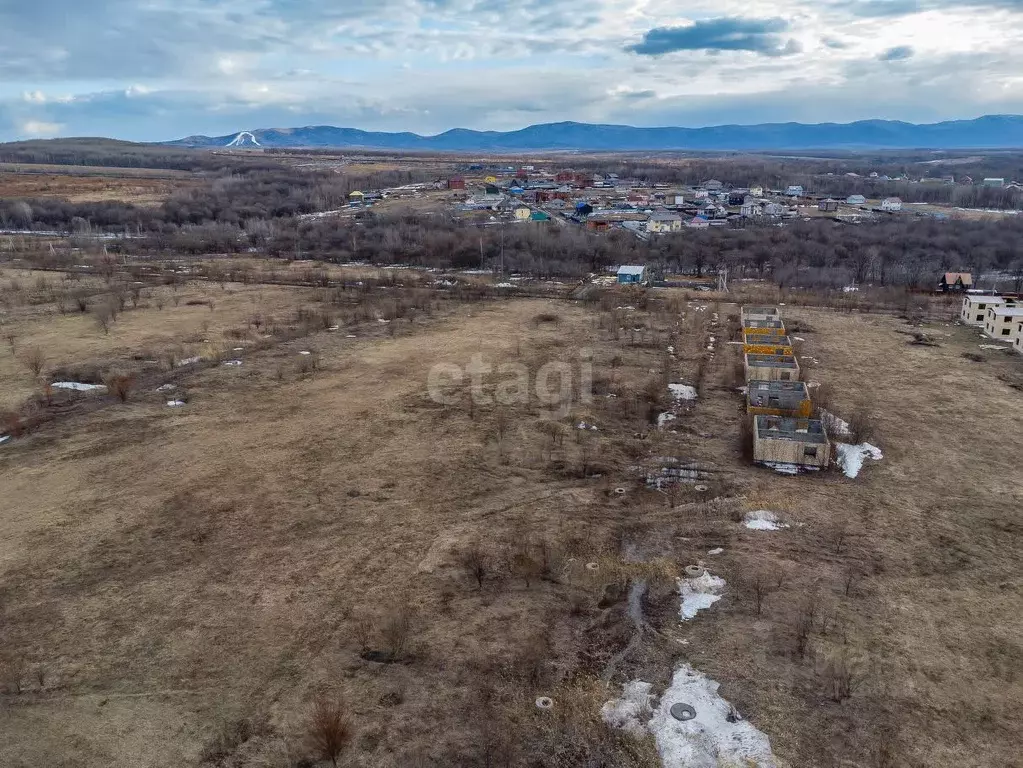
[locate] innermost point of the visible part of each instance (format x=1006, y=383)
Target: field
x=84, y=184
x=181, y=584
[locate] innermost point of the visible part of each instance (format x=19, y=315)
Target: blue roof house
x=628, y=275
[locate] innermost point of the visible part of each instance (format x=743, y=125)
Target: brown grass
x=285, y=535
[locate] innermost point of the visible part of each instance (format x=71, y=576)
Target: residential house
x=456, y=182
x=1017, y=338
x=975, y=307
x=775, y=209
x=539, y=216
x=993, y=182
x=856, y=200
x=631, y=274
x=661, y=222
x=712, y=185
x=521, y=213
x=782, y=440
x=736, y=198
x=356, y=197
x=778, y=398
x=955, y=282
x=1001, y=321
x=557, y=204
x=891, y=204
x=697, y=222
x=827, y=206
x=794, y=190
x=756, y=191
x=751, y=208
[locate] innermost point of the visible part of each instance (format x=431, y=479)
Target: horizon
x=209, y=68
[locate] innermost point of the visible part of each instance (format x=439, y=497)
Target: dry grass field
x=179, y=586
x=90, y=185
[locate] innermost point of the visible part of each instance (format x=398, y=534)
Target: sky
x=152, y=70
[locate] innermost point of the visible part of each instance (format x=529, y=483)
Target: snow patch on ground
x=233, y=362
x=850, y=457
x=77, y=386
x=782, y=468
x=188, y=361
x=699, y=594
x=664, y=418
x=715, y=551
x=4, y=439
x=175, y=403
x=716, y=737
x=682, y=391
x=762, y=520
x=506, y=285
x=993, y=346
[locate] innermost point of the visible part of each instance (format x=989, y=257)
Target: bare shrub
x=840, y=677
x=121, y=385
x=330, y=729
x=476, y=561
x=759, y=585
x=861, y=426
x=229, y=738
x=396, y=632
x=34, y=359
x=803, y=625
x=525, y=567
x=103, y=314
x=823, y=399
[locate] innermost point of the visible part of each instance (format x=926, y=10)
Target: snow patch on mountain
x=243, y=139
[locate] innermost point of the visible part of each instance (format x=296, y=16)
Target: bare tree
x=34, y=359
x=330, y=729
x=476, y=561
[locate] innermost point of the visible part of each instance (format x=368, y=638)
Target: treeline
x=236, y=198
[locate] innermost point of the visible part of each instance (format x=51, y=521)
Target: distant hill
x=990, y=131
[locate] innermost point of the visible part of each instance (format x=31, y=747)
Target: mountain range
x=990, y=131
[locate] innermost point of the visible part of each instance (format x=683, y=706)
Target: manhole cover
x=682, y=712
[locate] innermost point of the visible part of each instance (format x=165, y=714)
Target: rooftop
x=630, y=270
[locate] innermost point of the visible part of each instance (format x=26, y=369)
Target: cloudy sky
x=162, y=69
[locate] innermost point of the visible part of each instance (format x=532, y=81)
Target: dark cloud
x=898, y=53
x=724, y=34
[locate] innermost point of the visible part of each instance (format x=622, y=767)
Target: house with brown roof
x=955, y=282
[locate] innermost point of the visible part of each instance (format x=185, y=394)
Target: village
x=494, y=194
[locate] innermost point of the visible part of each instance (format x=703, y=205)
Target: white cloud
x=40, y=130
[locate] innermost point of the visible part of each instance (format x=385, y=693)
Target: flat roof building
x=782, y=440
x=778, y=398
x=771, y=368
x=766, y=344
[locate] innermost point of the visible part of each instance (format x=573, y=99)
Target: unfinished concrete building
x=766, y=344
x=778, y=398
x=782, y=440
x=760, y=313
x=771, y=368
x=771, y=327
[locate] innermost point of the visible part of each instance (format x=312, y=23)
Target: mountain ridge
x=987, y=131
